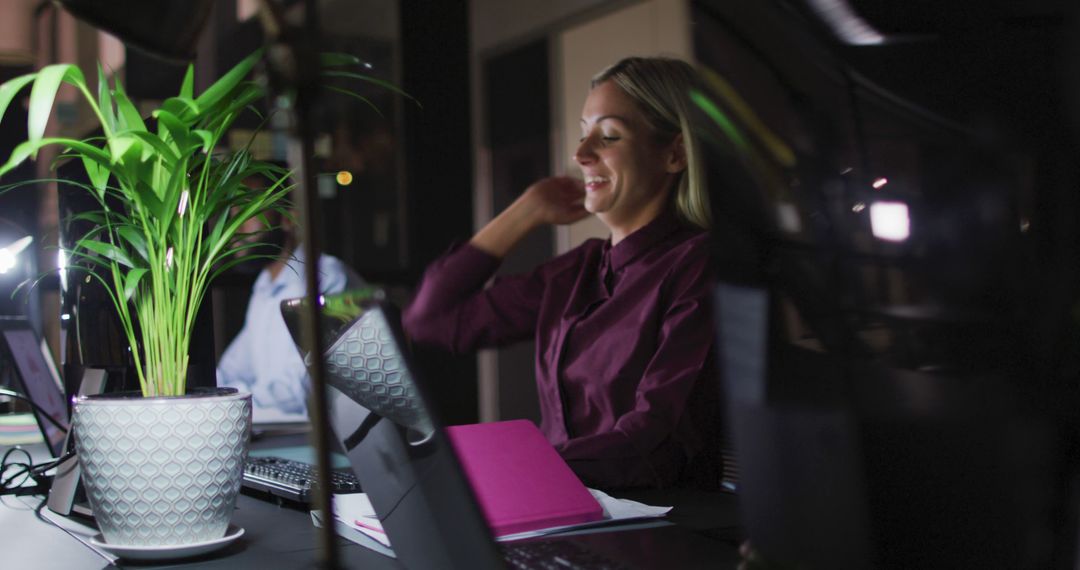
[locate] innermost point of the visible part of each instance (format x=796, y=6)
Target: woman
x=622, y=325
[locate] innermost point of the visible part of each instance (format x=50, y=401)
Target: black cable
x=38, y=469
x=40, y=410
x=11, y=484
x=7, y=482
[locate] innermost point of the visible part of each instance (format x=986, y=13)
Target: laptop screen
x=37, y=379
x=395, y=445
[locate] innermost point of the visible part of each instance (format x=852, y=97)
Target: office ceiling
x=1012, y=64
x=914, y=18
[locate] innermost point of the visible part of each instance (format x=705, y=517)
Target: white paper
x=355, y=511
x=620, y=509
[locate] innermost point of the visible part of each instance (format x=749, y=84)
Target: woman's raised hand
x=556, y=200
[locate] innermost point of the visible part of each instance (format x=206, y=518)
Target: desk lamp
x=293, y=66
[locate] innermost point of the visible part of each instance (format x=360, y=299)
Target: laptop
x=35, y=376
x=403, y=457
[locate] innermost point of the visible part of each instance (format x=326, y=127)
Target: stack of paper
x=355, y=519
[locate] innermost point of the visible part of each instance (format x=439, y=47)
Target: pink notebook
x=519, y=479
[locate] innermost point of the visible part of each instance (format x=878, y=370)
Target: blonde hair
x=661, y=87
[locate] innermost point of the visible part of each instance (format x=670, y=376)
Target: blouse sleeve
x=453, y=310
x=640, y=450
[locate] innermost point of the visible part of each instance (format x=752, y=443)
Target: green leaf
x=230, y=80
x=207, y=137
x=121, y=145
x=165, y=151
x=98, y=174
x=130, y=118
x=234, y=261
x=180, y=107
x=135, y=239
x=337, y=59
x=147, y=197
x=187, y=88
x=30, y=283
x=21, y=153
x=105, y=100
x=131, y=282
x=133, y=163
x=246, y=95
x=43, y=93
x=10, y=88
x=171, y=198
x=106, y=250
x=356, y=95
x=26, y=149
x=384, y=84
x=96, y=218
x=173, y=126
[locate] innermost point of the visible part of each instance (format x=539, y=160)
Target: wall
x=496, y=24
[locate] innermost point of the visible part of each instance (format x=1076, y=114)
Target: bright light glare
x=889, y=221
x=880, y=183
x=788, y=216
x=846, y=23
x=7, y=260
x=20, y=244
x=9, y=253
x=61, y=264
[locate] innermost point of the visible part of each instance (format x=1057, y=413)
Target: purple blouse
x=623, y=338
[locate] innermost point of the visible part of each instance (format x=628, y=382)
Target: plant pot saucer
x=168, y=552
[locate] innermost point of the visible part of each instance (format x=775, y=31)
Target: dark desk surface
x=283, y=537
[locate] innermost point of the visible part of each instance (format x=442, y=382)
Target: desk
x=283, y=537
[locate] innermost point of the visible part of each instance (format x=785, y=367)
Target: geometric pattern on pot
x=163, y=471
x=365, y=365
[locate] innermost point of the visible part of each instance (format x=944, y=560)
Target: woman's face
x=628, y=173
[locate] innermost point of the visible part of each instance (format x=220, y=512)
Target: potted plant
x=162, y=467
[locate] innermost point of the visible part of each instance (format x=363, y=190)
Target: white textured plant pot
x=165, y=470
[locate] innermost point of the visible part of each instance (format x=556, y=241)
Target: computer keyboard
x=293, y=480
x=555, y=555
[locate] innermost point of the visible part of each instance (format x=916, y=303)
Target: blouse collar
x=642, y=239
